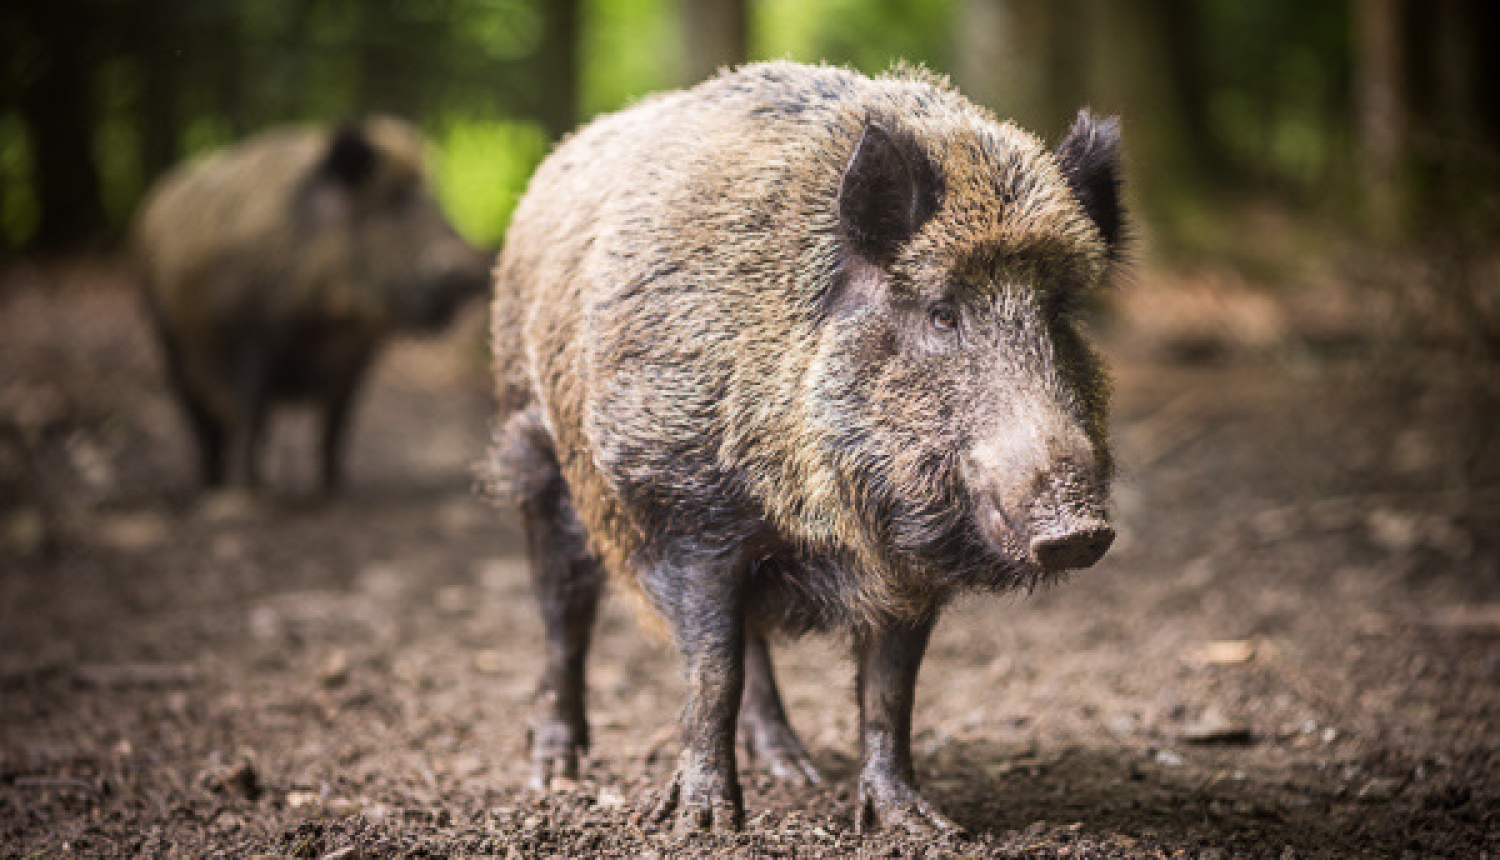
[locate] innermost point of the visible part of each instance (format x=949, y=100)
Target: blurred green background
x=1258, y=133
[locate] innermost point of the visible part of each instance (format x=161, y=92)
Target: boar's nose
x=1078, y=545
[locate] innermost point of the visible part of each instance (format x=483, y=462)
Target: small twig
x=53, y=782
x=136, y=675
x=302, y=846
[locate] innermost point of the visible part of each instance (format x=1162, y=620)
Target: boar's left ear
x=327, y=198
x=1090, y=158
x=889, y=189
x=350, y=158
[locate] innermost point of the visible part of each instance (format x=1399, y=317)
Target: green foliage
x=1219, y=95
x=481, y=170
x=203, y=134
x=1277, y=81
x=117, y=141
x=18, y=206
x=630, y=48
x=869, y=35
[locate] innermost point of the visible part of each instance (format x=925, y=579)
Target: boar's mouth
x=971, y=540
x=951, y=543
x=433, y=306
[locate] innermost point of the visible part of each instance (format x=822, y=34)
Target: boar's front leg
x=338, y=400
x=888, y=660
x=208, y=427
x=252, y=395
x=704, y=602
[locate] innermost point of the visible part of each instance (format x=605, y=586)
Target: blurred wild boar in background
x=273, y=270
x=794, y=350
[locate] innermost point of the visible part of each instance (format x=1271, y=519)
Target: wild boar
x=272, y=272
x=797, y=350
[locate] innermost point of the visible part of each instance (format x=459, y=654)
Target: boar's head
x=966, y=410
x=371, y=186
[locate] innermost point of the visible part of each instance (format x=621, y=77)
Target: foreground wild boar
x=273, y=271
x=795, y=350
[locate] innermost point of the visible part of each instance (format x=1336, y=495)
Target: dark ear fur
x=350, y=158
x=889, y=189
x=1090, y=158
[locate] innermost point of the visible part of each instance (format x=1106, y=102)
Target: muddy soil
x=1293, y=651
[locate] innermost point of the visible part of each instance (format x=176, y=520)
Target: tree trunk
x=561, y=31
x=1184, y=37
x=716, y=33
x=58, y=110
x=1485, y=35
x=1379, y=68
x=1026, y=59
x=157, y=58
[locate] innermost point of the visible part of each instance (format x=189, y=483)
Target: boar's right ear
x=350, y=158
x=1090, y=158
x=889, y=189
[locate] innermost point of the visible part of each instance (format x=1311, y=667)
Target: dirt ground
x=1293, y=651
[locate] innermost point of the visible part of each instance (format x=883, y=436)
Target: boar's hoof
x=555, y=749
x=887, y=803
x=700, y=799
x=773, y=745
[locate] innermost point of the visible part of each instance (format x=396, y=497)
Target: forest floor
x=1293, y=650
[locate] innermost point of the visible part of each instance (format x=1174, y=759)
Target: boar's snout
x=1076, y=545
x=450, y=277
x=1045, y=531
x=1040, y=501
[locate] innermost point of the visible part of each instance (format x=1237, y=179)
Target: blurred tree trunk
x=1485, y=32
x=561, y=33
x=1184, y=38
x=1137, y=77
x=58, y=109
x=158, y=58
x=229, y=70
x=1027, y=59
x=378, y=62
x=1452, y=87
x=716, y=34
x=1452, y=152
x=980, y=54
x=1379, y=66
x=159, y=143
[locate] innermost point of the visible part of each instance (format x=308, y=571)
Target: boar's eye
x=943, y=316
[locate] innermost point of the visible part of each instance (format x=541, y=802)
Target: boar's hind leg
x=764, y=729
x=208, y=432
x=704, y=601
x=568, y=582
x=888, y=660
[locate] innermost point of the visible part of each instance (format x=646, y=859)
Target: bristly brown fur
x=794, y=349
x=658, y=307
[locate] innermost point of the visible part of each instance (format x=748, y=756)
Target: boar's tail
x=522, y=463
